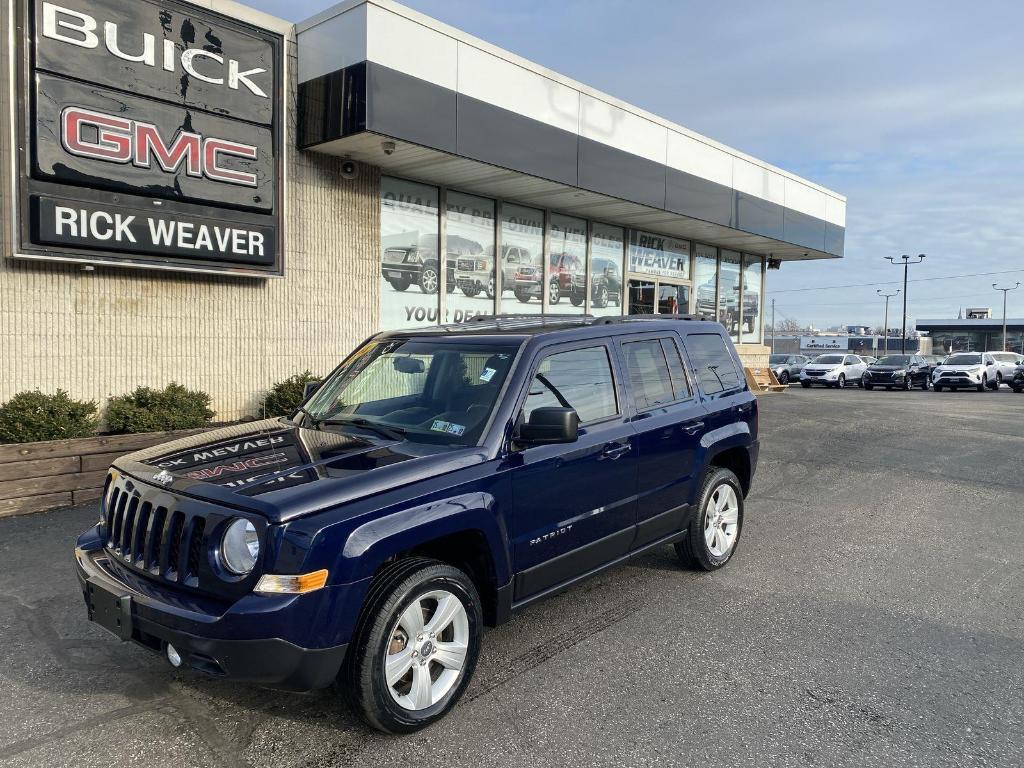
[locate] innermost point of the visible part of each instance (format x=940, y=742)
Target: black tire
x=937, y=388
x=997, y=383
x=523, y=296
x=471, y=291
x=805, y=384
x=907, y=383
x=429, y=278
x=841, y=381
x=554, y=292
x=1018, y=389
x=400, y=285
x=693, y=551
x=600, y=297
x=489, y=290
x=984, y=383
x=924, y=383
x=869, y=387
x=390, y=594
x=576, y=300
x=784, y=377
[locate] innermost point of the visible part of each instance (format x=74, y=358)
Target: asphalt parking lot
x=872, y=616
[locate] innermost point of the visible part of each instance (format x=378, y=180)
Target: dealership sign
x=151, y=134
x=823, y=342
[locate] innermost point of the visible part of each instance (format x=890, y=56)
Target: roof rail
x=526, y=316
x=632, y=318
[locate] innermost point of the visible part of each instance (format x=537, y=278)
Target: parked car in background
x=1003, y=367
x=787, y=367
x=833, y=370
x=438, y=482
x=1017, y=382
x=869, y=359
x=962, y=370
x=898, y=372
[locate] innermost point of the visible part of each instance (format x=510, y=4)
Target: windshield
x=963, y=360
x=894, y=360
x=423, y=390
x=829, y=359
x=778, y=359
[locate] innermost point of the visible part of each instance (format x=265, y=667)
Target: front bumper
x=217, y=643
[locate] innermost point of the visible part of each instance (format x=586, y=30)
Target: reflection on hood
x=267, y=455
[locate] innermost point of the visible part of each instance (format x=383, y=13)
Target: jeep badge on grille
x=163, y=477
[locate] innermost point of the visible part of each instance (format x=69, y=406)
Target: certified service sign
x=151, y=135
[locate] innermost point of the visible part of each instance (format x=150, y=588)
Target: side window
x=580, y=379
x=712, y=362
x=849, y=360
x=648, y=373
x=680, y=384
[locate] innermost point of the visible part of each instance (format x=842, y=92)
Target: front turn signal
x=273, y=584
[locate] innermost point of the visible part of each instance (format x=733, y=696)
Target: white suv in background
x=966, y=369
x=1003, y=367
x=833, y=370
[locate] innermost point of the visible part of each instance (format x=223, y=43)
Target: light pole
x=905, y=262
x=1005, y=291
x=773, y=326
x=885, y=323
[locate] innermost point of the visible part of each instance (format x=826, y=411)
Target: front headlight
x=239, y=547
x=976, y=369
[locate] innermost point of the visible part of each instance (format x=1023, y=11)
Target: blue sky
x=914, y=110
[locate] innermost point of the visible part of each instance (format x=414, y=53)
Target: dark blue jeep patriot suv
x=437, y=481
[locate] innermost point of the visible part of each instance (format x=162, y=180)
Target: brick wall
x=103, y=333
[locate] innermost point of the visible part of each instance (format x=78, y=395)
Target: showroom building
x=203, y=193
x=973, y=334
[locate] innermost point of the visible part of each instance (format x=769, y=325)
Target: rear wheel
x=554, y=292
x=399, y=284
x=523, y=296
x=416, y=645
x=784, y=377
x=471, y=291
x=714, y=534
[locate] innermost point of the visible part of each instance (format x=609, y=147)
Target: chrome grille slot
x=128, y=525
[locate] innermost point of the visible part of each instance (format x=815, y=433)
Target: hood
x=282, y=471
x=822, y=366
x=959, y=367
x=886, y=368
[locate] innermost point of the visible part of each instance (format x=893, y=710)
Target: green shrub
x=31, y=416
x=285, y=396
x=158, y=410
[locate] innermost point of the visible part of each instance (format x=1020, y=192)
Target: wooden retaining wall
x=60, y=473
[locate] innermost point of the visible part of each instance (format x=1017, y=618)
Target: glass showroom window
x=669, y=260
x=567, y=263
x=522, y=254
x=705, y=279
x=469, y=234
x=753, y=306
x=729, y=293
x=410, y=271
x=607, y=245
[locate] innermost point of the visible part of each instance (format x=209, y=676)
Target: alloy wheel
x=427, y=650
x=721, y=520
x=428, y=280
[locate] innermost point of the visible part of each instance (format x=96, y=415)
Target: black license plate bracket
x=110, y=610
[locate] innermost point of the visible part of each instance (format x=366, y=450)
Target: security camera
x=349, y=169
x=388, y=147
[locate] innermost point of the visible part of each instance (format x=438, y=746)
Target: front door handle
x=694, y=428
x=615, y=451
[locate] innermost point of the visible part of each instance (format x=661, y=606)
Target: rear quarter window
x=712, y=363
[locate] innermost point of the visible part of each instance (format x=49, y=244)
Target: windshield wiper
x=313, y=419
x=392, y=433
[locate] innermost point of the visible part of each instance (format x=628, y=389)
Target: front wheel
x=784, y=377
x=984, y=383
x=998, y=382
x=841, y=381
x=714, y=534
x=416, y=646
x=906, y=383
x=925, y=383
x=936, y=387
x=554, y=292
x=805, y=384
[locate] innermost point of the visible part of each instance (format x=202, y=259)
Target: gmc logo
x=113, y=139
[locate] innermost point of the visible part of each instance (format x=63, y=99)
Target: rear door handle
x=694, y=428
x=615, y=451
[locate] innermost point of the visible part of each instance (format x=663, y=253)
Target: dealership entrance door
x=658, y=296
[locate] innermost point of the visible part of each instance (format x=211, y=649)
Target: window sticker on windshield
x=449, y=427
x=488, y=374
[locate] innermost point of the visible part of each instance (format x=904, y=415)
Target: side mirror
x=550, y=425
x=310, y=388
